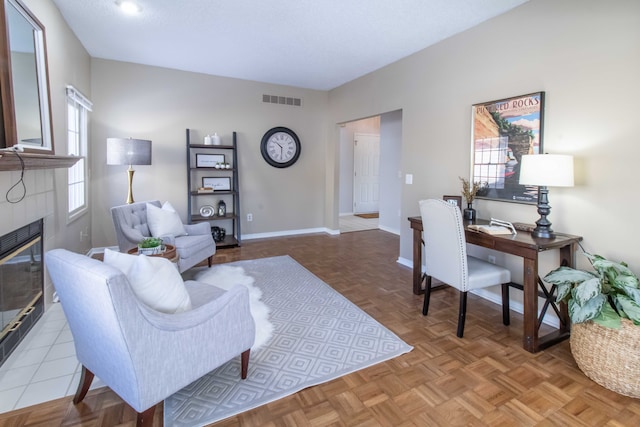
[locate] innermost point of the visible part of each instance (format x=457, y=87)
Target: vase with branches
x=469, y=192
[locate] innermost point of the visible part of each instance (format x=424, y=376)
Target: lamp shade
x=128, y=151
x=550, y=170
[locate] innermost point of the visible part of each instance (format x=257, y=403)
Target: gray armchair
x=143, y=355
x=130, y=222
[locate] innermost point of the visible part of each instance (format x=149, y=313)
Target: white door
x=366, y=171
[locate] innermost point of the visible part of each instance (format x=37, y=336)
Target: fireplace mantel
x=9, y=161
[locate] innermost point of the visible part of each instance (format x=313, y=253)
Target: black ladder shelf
x=230, y=196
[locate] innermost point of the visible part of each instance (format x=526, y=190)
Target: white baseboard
x=389, y=230
x=549, y=319
x=290, y=233
x=405, y=262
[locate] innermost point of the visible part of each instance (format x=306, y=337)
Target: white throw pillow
x=119, y=260
x=154, y=280
x=164, y=221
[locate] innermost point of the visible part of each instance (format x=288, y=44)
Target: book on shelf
x=205, y=189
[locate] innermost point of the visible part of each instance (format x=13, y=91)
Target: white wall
x=391, y=178
x=584, y=54
x=155, y=103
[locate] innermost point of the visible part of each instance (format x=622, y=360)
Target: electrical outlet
x=408, y=179
x=491, y=259
x=249, y=217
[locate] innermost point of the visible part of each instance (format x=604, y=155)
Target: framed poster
x=217, y=183
x=502, y=132
x=208, y=160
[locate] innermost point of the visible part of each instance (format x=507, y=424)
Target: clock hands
x=281, y=148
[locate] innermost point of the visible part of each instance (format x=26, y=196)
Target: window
x=493, y=161
x=78, y=107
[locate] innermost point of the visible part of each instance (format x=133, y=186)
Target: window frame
x=78, y=108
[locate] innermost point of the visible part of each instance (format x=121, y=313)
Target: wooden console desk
x=527, y=247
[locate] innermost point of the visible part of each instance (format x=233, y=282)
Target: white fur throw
x=225, y=277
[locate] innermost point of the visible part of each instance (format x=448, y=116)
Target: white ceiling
x=315, y=44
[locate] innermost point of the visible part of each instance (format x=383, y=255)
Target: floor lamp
x=546, y=170
x=128, y=151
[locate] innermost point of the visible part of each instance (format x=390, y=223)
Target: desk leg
x=530, y=289
x=568, y=258
x=533, y=342
x=417, y=262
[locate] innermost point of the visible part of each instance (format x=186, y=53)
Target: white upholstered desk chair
x=447, y=259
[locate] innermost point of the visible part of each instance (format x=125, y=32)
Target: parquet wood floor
x=485, y=379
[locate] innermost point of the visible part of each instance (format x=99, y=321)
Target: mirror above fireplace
x=24, y=81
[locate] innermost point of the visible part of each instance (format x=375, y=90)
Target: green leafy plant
x=606, y=296
x=150, y=242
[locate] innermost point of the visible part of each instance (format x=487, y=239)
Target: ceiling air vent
x=283, y=100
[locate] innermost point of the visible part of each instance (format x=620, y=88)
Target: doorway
x=388, y=128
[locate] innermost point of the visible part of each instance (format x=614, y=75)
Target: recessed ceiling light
x=129, y=7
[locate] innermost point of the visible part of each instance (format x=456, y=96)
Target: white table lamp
x=546, y=170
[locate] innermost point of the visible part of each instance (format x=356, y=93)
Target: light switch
x=408, y=178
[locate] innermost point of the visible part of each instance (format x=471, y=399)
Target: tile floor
x=348, y=223
x=43, y=367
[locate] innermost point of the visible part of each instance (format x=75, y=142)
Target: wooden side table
x=169, y=253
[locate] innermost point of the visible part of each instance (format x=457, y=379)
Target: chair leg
x=427, y=296
x=83, y=387
x=210, y=261
x=244, y=363
x=462, y=313
x=506, y=320
x=145, y=419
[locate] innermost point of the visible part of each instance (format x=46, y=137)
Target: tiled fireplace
x=21, y=284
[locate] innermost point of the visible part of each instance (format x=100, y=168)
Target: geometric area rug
x=318, y=335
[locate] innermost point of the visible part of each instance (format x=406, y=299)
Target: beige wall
x=584, y=54
x=45, y=195
x=159, y=104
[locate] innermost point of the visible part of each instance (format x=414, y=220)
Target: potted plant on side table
x=604, y=308
x=150, y=246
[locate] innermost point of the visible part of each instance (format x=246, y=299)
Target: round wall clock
x=280, y=147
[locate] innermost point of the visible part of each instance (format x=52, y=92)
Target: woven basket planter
x=610, y=357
